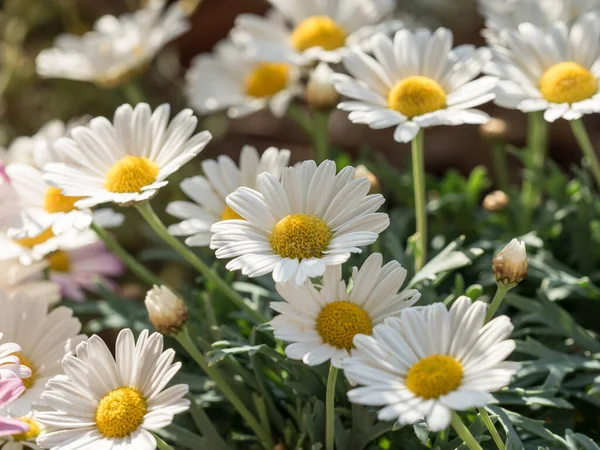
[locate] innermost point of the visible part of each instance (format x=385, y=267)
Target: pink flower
x=10, y=390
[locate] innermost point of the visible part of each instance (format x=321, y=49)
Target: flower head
x=108, y=401
x=296, y=227
x=321, y=322
x=415, y=81
x=428, y=362
x=320, y=92
x=166, y=311
x=10, y=390
x=510, y=264
x=495, y=201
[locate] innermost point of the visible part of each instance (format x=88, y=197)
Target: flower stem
x=133, y=92
x=154, y=221
x=586, y=146
x=184, y=339
x=298, y=115
x=491, y=428
x=330, y=409
x=321, y=135
x=464, y=433
x=537, y=141
x=162, y=445
x=497, y=300
x=138, y=269
x=418, y=164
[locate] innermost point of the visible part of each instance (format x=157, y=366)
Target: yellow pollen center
x=59, y=261
x=338, y=323
x=266, y=80
x=34, y=430
x=31, y=242
x=318, y=31
x=131, y=174
x=434, y=376
x=27, y=382
x=56, y=202
x=121, y=412
x=417, y=95
x=568, y=82
x=230, y=214
x=300, y=236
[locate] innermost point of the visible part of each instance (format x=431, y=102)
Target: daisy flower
x=296, y=227
x=106, y=403
x=10, y=364
x=554, y=70
x=31, y=249
x=126, y=161
x=24, y=440
x=208, y=192
x=430, y=362
x=303, y=31
x=117, y=49
x=10, y=390
x=229, y=80
x=415, y=81
x=44, y=338
x=16, y=278
x=321, y=323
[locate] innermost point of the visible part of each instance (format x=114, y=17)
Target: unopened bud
x=166, y=311
x=510, y=264
x=320, y=92
x=495, y=201
x=361, y=171
x=494, y=129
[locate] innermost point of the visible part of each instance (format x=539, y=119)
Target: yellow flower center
x=34, y=430
x=230, y=214
x=318, y=31
x=27, y=382
x=417, y=95
x=568, y=82
x=300, y=236
x=131, y=174
x=59, y=261
x=31, y=242
x=266, y=80
x=55, y=202
x=121, y=412
x=434, y=376
x=340, y=321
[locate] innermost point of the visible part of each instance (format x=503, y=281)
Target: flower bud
x=510, y=264
x=361, y=171
x=495, y=201
x=166, y=311
x=320, y=92
x=494, y=129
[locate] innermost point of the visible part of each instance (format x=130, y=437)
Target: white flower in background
x=320, y=92
x=44, y=337
x=208, y=192
x=10, y=207
x=126, y=161
x=37, y=149
x=429, y=362
x=296, y=227
x=302, y=31
x=415, y=81
x=108, y=402
x=117, y=49
x=16, y=278
x=26, y=440
x=229, y=80
x=554, y=70
x=322, y=322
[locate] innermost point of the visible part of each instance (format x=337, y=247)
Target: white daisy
x=228, y=79
x=429, y=362
x=10, y=364
x=103, y=403
x=44, y=337
x=208, y=192
x=16, y=278
x=321, y=323
x=126, y=161
x=26, y=440
x=31, y=249
x=554, y=70
x=303, y=31
x=118, y=47
x=296, y=227
x=415, y=81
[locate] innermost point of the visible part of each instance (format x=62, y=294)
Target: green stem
x=162, y=445
x=537, y=142
x=464, y=433
x=491, y=428
x=497, y=301
x=138, y=269
x=586, y=146
x=298, y=115
x=330, y=409
x=133, y=92
x=184, y=339
x=321, y=135
x=500, y=165
x=154, y=221
x=418, y=164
